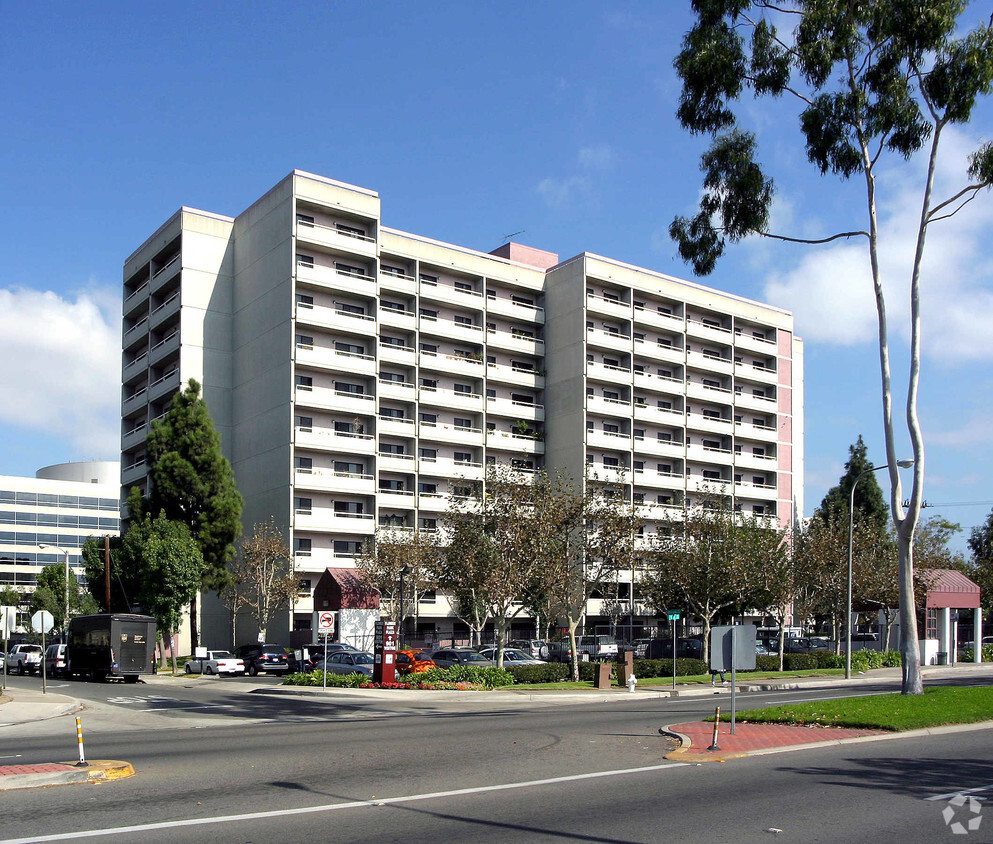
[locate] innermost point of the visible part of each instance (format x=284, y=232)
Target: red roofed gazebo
x=949, y=591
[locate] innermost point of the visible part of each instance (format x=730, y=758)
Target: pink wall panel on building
x=784, y=513
x=785, y=372
x=785, y=404
x=785, y=344
x=785, y=457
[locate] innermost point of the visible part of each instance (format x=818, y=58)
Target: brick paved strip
x=44, y=768
x=762, y=736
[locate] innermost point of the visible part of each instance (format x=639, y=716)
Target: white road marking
x=174, y=708
x=952, y=794
x=15, y=756
x=331, y=807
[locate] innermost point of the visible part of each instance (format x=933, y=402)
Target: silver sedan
x=511, y=656
x=347, y=662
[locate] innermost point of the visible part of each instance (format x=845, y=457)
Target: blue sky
x=473, y=121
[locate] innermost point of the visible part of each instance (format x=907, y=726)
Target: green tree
x=399, y=558
x=870, y=505
x=9, y=597
x=172, y=568
x=875, y=84
x=980, y=567
x=192, y=482
x=124, y=585
x=50, y=594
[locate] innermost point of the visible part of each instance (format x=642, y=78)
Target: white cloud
x=580, y=186
x=829, y=288
x=60, y=366
x=975, y=432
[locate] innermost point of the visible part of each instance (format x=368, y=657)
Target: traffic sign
x=43, y=621
x=673, y=615
x=325, y=622
x=8, y=619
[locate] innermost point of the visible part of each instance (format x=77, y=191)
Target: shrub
x=966, y=654
x=334, y=681
x=860, y=661
x=767, y=662
x=663, y=667
x=489, y=677
x=800, y=662
x=826, y=659
x=892, y=659
x=552, y=672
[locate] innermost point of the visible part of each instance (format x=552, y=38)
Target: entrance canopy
x=948, y=588
x=341, y=589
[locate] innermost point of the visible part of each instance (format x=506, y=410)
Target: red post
x=384, y=670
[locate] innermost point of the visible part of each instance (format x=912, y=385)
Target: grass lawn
x=691, y=679
x=937, y=706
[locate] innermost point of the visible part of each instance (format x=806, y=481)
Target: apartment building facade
x=44, y=518
x=361, y=376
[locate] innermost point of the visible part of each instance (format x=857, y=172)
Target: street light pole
x=903, y=464
x=65, y=624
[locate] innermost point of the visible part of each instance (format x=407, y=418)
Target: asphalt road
x=493, y=773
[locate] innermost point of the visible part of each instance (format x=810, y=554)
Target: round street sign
x=325, y=622
x=43, y=621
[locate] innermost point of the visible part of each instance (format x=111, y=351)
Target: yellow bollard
x=79, y=740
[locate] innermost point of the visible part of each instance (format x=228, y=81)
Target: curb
x=685, y=753
x=99, y=771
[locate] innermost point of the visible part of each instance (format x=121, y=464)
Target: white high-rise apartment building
x=359, y=375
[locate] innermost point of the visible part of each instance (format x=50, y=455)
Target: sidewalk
x=21, y=706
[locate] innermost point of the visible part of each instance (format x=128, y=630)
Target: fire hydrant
x=632, y=682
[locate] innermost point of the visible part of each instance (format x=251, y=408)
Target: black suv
x=272, y=659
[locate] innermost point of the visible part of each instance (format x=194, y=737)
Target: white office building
x=50, y=515
x=359, y=375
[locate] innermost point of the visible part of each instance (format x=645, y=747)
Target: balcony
x=397, y=498
x=710, y=424
x=400, y=282
x=710, y=363
x=698, y=328
x=515, y=375
x=164, y=347
x=335, y=279
x=450, y=398
x=766, y=433
x=511, y=342
x=745, y=340
x=136, y=298
x=502, y=306
x=653, y=511
x=446, y=468
x=595, y=438
x=745, y=459
x=608, y=372
x=134, y=437
x=333, y=521
x=652, y=478
x=658, y=383
x=532, y=412
x=133, y=472
x=751, y=372
x=657, y=319
x=746, y=399
x=163, y=385
x=506, y=441
x=451, y=295
x=397, y=354
x=466, y=332
x=403, y=390
x=161, y=312
x=456, y=364
x=708, y=454
x=608, y=339
x=747, y=489
x=391, y=461
x=166, y=272
x=334, y=318
x=397, y=319
x=652, y=413
x=135, y=366
x=335, y=238
x=327, y=439
x=698, y=483
x=609, y=407
x=655, y=351
x=659, y=448
x=327, y=480
x=400, y=427
x=601, y=305
x=325, y=398
x=446, y=433
x=707, y=392
x=325, y=358
x=136, y=333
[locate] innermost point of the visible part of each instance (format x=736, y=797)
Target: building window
x=465, y=389
x=349, y=349
x=386, y=305
x=302, y=547
x=348, y=387
x=429, y=279
x=392, y=413
x=303, y=506
x=462, y=423
x=462, y=320
x=346, y=547
x=429, y=418
x=346, y=467
x=392, y=448
x=305, y=422
x=427, y=489
x=353, y=508
x=388, y=485
x=463, y=457
x=304, y=382
x=428, y=454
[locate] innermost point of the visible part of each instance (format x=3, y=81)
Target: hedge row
x=965, y=654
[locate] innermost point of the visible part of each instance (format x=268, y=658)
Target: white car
x=216, y=662
x=511, y=656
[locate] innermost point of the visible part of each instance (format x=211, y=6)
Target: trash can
x=941, y=658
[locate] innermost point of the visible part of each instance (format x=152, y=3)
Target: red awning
x=342, y=589
x=951, y=588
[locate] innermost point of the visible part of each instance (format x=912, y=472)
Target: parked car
x=3, y=661
x=347, y=662
x=216, y=662
x=511, y=656
x=685, y=649
x=447, y=657
x=305, y=658
x=269, y=658
x=55, y=660
x=413, y=662
x=761, y=650
x=589, y=648
x=640, y=647
x=25, y=659
x=538, y=648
